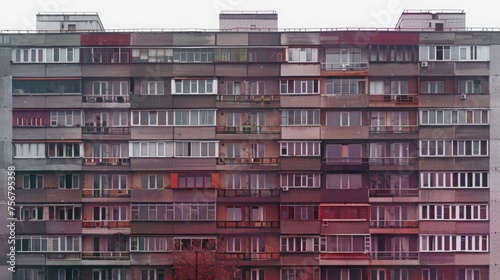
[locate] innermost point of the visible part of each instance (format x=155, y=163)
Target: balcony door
x=258, y=152
x=257, y=247
x=400, y=153
x=100, y=187
x=100, y=151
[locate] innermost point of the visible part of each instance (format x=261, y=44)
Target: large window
x=46, y=55
x=245, y=88
x=150, y=244
x=152, y=181
x=393, y=53
x=300, y=244
x=342, y=212
x=65, y=118
x=69, y=181
x=64, y=150
x=299, y=212
x=389, y=121
x=300, y=273
x=427, y=87
x=300, y=180
x=343, y=243
x=30, y=274
x=340, y=118
x=47, y=87
x=193, y=180
x=454, y=116
x=152, y=88
x=299, y=87
x=302, y=55
x=193, y=55
x=453, y=212
x=196, y=149
x=194, y=86
x=33, y=181
x=151, y=149
x=230, y=55
x=150, y=274
x=174, y=212
x=470, y=86
x=300, y=117
x=454, y=179
x=453, y=243
x=48, y=244
x=345, y=85
x=158, y=55
x=233, y=213
x=344, y=181
x=343, y=153
x=300, y=148
x=342, y=58
x=454, y=53
x=443, y=148
x=29, y=150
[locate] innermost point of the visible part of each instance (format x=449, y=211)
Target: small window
x=71, y=27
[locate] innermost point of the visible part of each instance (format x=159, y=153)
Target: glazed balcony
x=248, y=132
x=248, y=101
x=393, y=100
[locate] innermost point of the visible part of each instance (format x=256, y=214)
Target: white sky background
x=137, y=14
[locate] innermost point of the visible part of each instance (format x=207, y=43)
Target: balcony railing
x=106, y=99
x=391, y=255
x=248, y=256
x=251, y=129
x=248, y=224
x=345, y=66
x=248, y=193
x=107, y=193
x=106, y=161
x=264, y=160
x=393, y=192
x=393, y=128
x=89, y=129
x=106, y=255
x=105, y=224
x=398, y=99
x=394, y=223
x=248, y=98
x=392, y=161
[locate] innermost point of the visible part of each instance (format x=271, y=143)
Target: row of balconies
x=253, y=101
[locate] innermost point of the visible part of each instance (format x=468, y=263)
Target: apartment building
x=290, y=154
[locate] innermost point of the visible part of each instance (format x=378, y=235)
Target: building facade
x=317, y=154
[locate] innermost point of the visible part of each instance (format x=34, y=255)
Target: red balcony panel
x=105, y=39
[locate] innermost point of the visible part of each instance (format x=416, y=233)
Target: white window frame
x=453, y=243
x=153, y=181
x=300, y=244
x=197, y=149
x=300, y=180
x=454, y=179
x=346, y=181
x=453, y=212
x=302, y=54
x=344, y=118
x=151, y=244
x=303, y=148
x=310, y=117
x=38, y=182
x=151, y=149
x=298, y=87
x=194, y=86
x=29, y=150
x=75, y=181
x=152, y=88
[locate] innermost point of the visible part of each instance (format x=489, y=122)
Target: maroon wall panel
x=105, y=39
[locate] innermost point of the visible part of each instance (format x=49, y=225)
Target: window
x=300, y=244
x=152, y=55
x=454, y=179
x=33, y=181
x=344, y=181
x=393, y=53
x=453, y=212
x=196, y=149
x=195, y=180
x=174, y=212
x=299, y=212
x=341, y=212
x=469, y=274
x=151, y=149
x=29, y=118
x=470, y=86
x=343, y=153
x=71, y=274
x=29, y=150
x=69, y=181
x=300, y=273
x=233, y=213
x=342, y=58
x=299, y=87
x=119, y=182
x=453, y=243
x=389, y=122
x=64, y=150
x=300, y=180
x=194, y=117
x=150, y=244
x=30, y=274
x=343, y=243
x=194, y=87
x=65, y=118
x=152, y=274
x=65, y=213
x=300, y=148
x=302, y=55
x=30, y=213
x=454, y=117
x=46, y=87
x=233, y=244
x=399, y=87
x=48, y=244
x=377, y=88
x=339, y=118
x=39, y=55
x=152, y=88
x=345, y=86
x=152, y=181
x=230, y=55
x=453, y=148
x=193, y=55
x=427, y=87
x=300, y=117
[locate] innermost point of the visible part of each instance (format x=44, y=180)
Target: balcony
x=105, y=101
x=393, y=100
x=263, y=163
x=394, y=255
x=99, y=195
x=106, y=255
x=102, y=161
x=248, y=195
x=248, y=101
x=332, y=164
x=394, y=227
x=105, y=224
x=249, y=224
x=393, y=192
x=91, y=132
x=249, y=256
x=338, y=66
x=388, y=163
x=248, y=132
x=394, y=131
